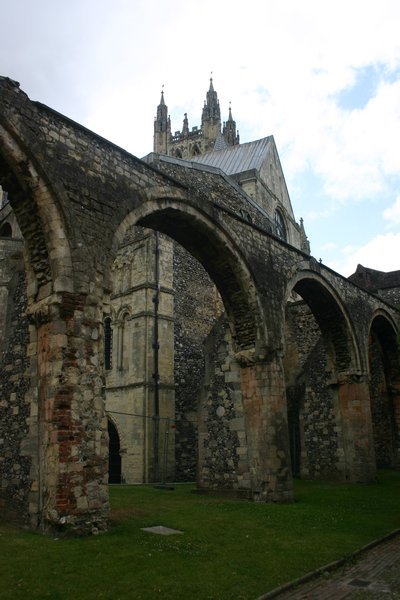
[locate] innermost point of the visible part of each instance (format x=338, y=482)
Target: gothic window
x=280, y=227
x=178, y=153
x=108, y=339
x=196, y=150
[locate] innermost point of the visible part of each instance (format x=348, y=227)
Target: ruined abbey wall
x=74, y=209
x=15, y=412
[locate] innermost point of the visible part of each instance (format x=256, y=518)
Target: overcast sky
x=322, y=76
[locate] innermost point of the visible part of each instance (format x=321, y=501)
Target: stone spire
x=162, y=127
x=229, y=130
x=211, y=110
x=211, y=119
x=161, y=121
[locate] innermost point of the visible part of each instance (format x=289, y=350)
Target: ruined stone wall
x=197, y=306
x=15, y=465
x=222, y=438
x=70, y=208
x=382, y=409
x=312, y=404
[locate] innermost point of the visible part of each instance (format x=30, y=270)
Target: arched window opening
x=280, y=227
x=114, y=454
x=5, y=230
x=384, y=378
x=121, y=341
x=108, y=343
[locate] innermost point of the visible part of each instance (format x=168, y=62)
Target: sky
x=321, y=76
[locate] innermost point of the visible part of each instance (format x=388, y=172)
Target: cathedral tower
x=188, y=143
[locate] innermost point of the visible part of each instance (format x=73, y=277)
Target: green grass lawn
x=229, y=549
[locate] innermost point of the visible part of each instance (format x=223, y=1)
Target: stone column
x=395, y=395
x=73, y=440
x=356, y=424
x=264, y=401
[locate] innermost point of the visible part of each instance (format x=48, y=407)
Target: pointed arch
x=331, y=315
x=219, y=255
x=384, y=380
x=38, y=214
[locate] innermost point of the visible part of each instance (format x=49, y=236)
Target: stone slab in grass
x=161, y=530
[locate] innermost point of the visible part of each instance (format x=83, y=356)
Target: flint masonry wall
x=313, y=413
x=15, y=412
x=223, y=452
x=197, y=306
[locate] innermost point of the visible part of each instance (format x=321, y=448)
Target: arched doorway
x=384, y=391
x=114, y=455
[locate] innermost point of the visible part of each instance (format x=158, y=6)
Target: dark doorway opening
x=294, y=396
x=114, y=456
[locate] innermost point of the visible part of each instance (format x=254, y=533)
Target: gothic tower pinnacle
x=229, y=130
x=162, y=127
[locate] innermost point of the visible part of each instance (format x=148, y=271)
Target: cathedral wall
x=130, y=383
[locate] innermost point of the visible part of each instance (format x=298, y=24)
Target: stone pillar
x=73, y=440
x=356, y=424
x=395, y=395
x=264, y=402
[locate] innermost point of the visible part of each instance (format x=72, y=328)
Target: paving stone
x=161, y=530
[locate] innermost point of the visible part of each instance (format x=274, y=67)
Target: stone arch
x=384, y=381
x=254, y=381
x=333, y=438
x=332, y=317
x=217, y=252
x=39, y=217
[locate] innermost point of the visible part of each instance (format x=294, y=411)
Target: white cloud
x=392, y=213
x=380, y=253
x=282, y=64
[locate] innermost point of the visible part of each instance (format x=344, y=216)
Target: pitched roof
x=220, y=143
x=237, y=159
x=372, y=280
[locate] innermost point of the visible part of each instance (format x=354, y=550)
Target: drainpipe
x=156, y=373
